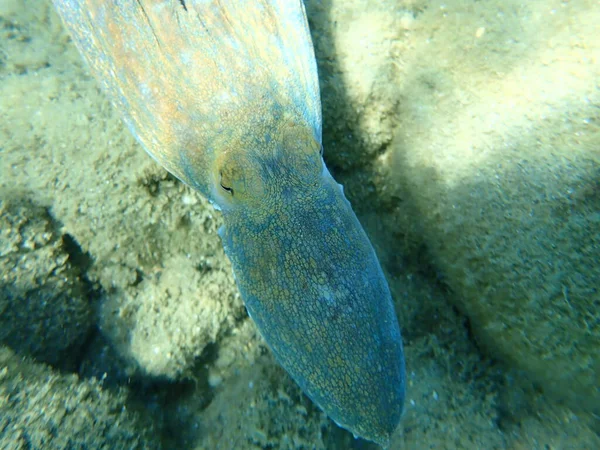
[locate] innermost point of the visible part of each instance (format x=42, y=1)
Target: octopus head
x=258, y=172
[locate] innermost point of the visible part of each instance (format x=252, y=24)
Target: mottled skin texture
x=225, y=96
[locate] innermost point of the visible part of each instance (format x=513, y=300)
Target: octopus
x=225, y=96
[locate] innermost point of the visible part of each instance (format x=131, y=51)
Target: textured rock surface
x=498, y=158
x=41, y=409
x=45, y=311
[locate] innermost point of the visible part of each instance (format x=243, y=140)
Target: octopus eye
x=226, y=188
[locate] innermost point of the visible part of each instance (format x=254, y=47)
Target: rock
x=42, y=409
x=500, y=173
x=45, y=307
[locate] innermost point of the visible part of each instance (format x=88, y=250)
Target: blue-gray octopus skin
x=224, y=95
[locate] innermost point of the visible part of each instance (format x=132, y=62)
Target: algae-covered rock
x=255, y=403
x=41, y=409
x=355, y=58
x=497, y=156
x=167, y=321
x=262, y=408
x=45, y=310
